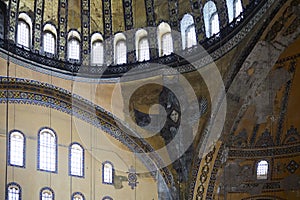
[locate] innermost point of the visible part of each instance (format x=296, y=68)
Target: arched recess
x=188, y=31
x=97, y=50
x=73, y=44
x=49, y=40
x=24, y=31
x=120, y=49
x=142, y=45
x=211, y=19
x=164, y=39
x=222, y=11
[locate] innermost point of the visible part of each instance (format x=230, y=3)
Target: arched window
x=188, y=32
x=77, y=196
x=49, y=38
x=47, y=150
x=74, y=46
x=165, y=42
x=24, y=30
x=16, y=149
x=234, y=8
x=237, y=8
x=211, y=19
x=76, y=160
x=142, y=45
x=107, y=173
x=120, y=48
x=49, y=42
x=47, y=194
x=13, y=191
x=97, y=49
x=23, y=34
x=107, y=198
x=144, y=49
x=262, y=169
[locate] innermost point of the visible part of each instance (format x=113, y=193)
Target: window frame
x=141, y=35
x=209, y=12
x=73, y=34
x=95, y=38
x=262, y=175
x=13, y=184
x=56, y=150
x=54, y=37
x=213, y=15
x=118, y=38
x=45, y=189
x=187, y=30
x=75, y=39
x=70, y=159
x=144, y=38
x=24, y=149
x=118, y=59
x=92, y=53
x=162, y=30
x=23, y=21
x=112, y=173
x=163, y=38
x=186, y=24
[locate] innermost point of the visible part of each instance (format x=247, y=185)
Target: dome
x=149, y=99
x=86, y=37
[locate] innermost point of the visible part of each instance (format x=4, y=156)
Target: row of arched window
x=47, y=154
x=262, y=170
x=164, y=37
x=14, y=192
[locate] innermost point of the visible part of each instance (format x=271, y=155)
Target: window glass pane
x=262, y=170
x=23, y=34
x=211, y=20
x=47, y=195
x=108, y=173
x=76, y=160
x=49, y=42
x=13, y=193
x=121, y=52
x=191, y=36
x=16, y=149
x=214, y=24
x=73, y=49
x=238, y=8
x=188, y=33
x=143, y=49
x=47, y=151
x=97, y=53
x=167, y=44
